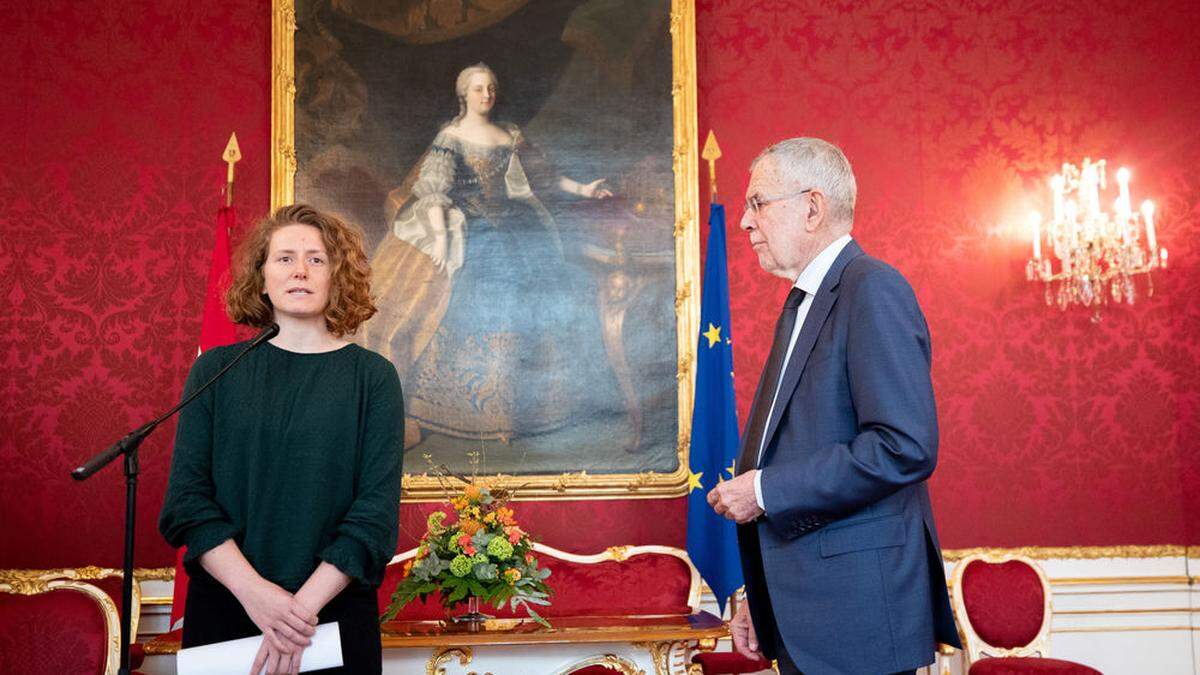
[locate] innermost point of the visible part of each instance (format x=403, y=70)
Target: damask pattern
x=61, y=631
x=1054, y=430
x=115, y=115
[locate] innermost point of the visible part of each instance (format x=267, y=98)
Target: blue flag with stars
x=712, y=539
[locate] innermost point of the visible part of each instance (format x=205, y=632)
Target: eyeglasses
x=755, y=203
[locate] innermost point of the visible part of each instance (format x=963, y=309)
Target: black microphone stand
x=128, y=446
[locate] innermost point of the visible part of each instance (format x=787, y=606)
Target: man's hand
x=735, y=498
x=745, y=640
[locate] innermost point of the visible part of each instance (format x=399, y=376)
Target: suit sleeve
x=888, y=364
x=366, y=538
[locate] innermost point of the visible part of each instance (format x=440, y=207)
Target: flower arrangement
x=477, y=551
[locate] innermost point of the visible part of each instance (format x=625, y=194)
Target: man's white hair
x=813, y=163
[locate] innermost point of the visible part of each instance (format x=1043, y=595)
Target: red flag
x=215, y=330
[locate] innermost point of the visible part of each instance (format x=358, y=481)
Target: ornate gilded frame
x=580, y=485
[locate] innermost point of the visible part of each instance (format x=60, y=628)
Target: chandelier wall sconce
x=1099, y=252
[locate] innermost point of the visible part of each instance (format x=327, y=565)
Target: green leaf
x=486, y=571
x=535, y=616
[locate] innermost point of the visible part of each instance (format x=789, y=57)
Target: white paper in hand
x=236, y=656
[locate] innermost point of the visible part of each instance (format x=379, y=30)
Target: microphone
x=270, y=331
x=134, y=438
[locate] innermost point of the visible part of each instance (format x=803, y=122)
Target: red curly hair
x=350, y=303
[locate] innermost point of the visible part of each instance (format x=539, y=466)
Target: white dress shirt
x=809, y=281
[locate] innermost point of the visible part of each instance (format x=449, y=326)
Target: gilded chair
x=1003, y=605
x=53, y=624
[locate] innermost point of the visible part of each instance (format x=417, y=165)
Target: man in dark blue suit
x=839, y=549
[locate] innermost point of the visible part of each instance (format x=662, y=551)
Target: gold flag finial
x=232, y=155
x=711, y=153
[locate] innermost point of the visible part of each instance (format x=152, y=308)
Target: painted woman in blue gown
x=477, y=306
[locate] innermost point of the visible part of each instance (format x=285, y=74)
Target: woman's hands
x=270, y=661
x=325, y=583
x=593, y=190
x=286, y=624
x=441, y=247
x=440, y=251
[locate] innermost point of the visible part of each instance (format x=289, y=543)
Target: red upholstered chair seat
x=60, y=630
x=643, y=584
x=1029, y=666
x=729, y=663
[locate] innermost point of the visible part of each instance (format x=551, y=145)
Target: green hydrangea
x=500, y=549
x=460, y=566
x=479, y=558
x=435, y=520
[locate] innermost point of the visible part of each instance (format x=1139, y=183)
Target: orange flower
x=407, y=568
x=470, y=527
x=471, y=492
x=505, y=515
x=512, y=574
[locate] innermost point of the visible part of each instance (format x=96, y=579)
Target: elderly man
x=838, y=544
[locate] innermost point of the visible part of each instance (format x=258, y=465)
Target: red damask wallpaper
x=1055, y=431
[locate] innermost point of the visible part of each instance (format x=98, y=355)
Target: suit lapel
x=818, y=312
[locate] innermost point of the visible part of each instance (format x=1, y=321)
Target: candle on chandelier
x=1035, y=221
x=1123, y=206
x=1070, y=214
x=1056, y=184
x=1089, y=193
x=1148, y=214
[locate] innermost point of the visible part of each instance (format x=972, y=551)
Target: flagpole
x=232, y=155
x=711, y=153
x=711, y=539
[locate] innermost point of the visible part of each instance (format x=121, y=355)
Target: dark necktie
x=761, y=410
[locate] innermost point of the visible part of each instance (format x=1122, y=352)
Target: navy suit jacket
x=845, y=565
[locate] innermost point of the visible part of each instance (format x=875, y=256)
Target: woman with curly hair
x=285, y=479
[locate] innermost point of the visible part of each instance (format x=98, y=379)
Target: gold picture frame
x=418, y=487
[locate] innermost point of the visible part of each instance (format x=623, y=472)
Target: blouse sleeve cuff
x=205, y=537
x=349, y=556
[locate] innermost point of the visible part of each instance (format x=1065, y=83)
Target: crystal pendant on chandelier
x=1099, y=252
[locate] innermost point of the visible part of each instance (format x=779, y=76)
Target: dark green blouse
x=296, y=457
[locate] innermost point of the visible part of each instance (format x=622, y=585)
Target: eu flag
x=712, y=539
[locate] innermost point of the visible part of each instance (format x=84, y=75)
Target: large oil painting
x=524, y=172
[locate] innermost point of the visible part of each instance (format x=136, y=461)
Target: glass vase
x=472, y=619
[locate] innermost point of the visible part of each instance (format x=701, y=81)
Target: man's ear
x=816, y=211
